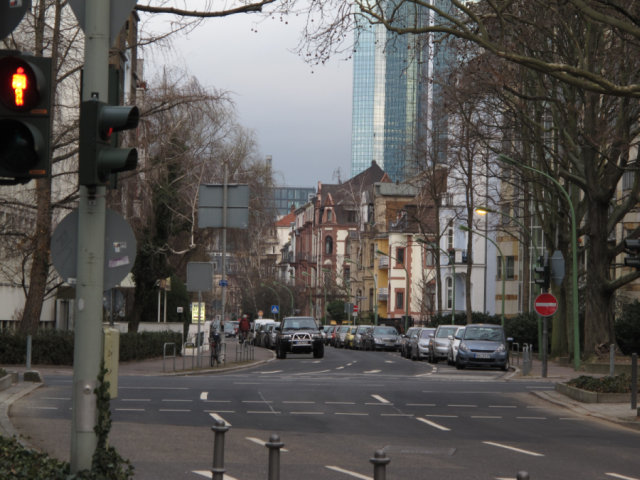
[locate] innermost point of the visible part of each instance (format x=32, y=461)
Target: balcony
x=383, y=261
x=383, y=294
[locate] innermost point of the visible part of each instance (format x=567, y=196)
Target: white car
x=454, y=342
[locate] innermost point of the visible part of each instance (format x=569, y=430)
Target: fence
x=379, y=459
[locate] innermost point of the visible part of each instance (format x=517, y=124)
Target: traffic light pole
x=90, y=260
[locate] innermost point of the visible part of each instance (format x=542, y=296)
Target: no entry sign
x=545, y=304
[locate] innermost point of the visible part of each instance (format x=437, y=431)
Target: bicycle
x=214, y=347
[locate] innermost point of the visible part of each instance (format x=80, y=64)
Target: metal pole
x=545, y=342
x=375, y=298
x=220, y=428
x=612, y=360
x=198, y=361
x=90, y=261
x=380, y=462
x=223, y=295
x=634, y=380
x=28, y=352
x=274, y=445
x=574, y=257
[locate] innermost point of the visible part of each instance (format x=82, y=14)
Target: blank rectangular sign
x=199, y=277
x=210, y=206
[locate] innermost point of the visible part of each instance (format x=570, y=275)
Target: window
x=450, y=237
x=399, y=300
x=400, y=255
x=329, y=215
x=347, y=275
x=351, y=216
x=430, y=258
x=509, y=268
x=328, y=245
x=449, y=283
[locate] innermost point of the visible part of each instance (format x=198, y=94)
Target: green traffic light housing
x=98, y=158
x=632, y=246
x=543, y=275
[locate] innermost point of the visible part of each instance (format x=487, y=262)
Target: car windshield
x=385, y=331
x=426, y=333
x=445, y=332
x=490, y=334
x=299, y=323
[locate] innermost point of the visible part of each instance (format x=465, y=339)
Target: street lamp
x=502, y=274
x=277, y=296
x=574, y=255
x=406, y=293
x=435, y=246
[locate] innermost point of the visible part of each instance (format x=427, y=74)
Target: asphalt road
x=332, y=414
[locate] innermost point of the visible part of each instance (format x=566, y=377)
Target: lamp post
x=277, y=296
x=435, y=246
x=574, y=256
x=406, y=293
x=324, y=285
x=502, y=261
x=293, y=309
x=306, y=274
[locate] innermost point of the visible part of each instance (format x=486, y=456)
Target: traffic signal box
x=543, y=274
x=98, y=157
x=632, y=246
x=25, y=129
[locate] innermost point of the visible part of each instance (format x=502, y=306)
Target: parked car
x=332, y=335
x=348, y=338
x=340, y=337
x=454, y=342
x=326, y=333
x=384, y=338
x=231, y=328
x=483, y=345
x=439, y=345
x=419, y=343
x=403, y=341
x=257, y=330
x=269, y=340
x=360, y=337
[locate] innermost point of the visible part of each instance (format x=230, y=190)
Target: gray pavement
x=618, y=413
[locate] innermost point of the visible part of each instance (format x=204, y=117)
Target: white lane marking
x=218, y=411
x=298, y=402
x=485, y=416
x=176, y=400
x=442, y=416
x=256, y=401
x=306, y=413
x=176, y=410
x=381, y=399
x=270, y=372
x=339, y=368
x=261, y=412
x=372, y=371
x=453, y=405
x=348, y=472
x=204, y=396
x=531, y=418
x=514, y=449
x=421, y=404
x=340, y=403
x=621, y=477
x=397, y=415
x=433, y=424
x=129, y=409
x=217, y=417
x=262, y=443
x=135, y=400
x=208, y=474
x=353, y=414
x=503, y=406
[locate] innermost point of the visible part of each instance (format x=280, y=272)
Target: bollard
x=526, y=359
x=522, y=476
x=379, y=461
x=274, y=445
x=217, y=471
x=28, y=352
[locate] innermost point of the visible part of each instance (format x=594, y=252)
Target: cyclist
x=243, y=328
x=214, y=346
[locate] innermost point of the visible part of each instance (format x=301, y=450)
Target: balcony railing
x=383, y=261
x=383, y=294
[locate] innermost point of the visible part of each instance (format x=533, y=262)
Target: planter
x=585, y=396
x=6, y=381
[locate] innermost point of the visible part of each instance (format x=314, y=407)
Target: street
x=332, y=414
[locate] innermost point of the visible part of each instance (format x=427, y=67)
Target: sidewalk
x=151, y=367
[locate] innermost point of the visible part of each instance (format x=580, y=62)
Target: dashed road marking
x=380, y=399
x=208, y=474
x=433, y=424
x=621, y=477
x=514, y=449
x=348, y=472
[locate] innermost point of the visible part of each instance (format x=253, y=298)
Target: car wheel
x=505, y=367
x=459, y=365
x=280, y=352
x=318, y=352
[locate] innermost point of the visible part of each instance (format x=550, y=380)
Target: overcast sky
x=301, y=115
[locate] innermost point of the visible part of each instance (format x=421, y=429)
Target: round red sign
x=545, y=304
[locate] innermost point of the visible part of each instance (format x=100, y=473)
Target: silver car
x=454, y=342
x=384, y=338
x=439, y=345
x=420, y=343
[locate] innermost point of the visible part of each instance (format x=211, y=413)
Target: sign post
x=545, y=305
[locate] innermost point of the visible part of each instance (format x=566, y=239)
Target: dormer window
x=328, y=245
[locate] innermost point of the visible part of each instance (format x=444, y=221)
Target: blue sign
x=223, y=283
x=275, y=309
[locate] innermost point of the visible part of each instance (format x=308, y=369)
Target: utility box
x=111, y=351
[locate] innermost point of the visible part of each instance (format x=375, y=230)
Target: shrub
x=523, y=329
x=627, y=329
x=617, y=384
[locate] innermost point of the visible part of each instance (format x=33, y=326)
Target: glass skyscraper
x=392, y=97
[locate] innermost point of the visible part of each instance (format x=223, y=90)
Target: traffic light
x=543, y=275
x=632, y=246
x=25, y=129
x=98, y=158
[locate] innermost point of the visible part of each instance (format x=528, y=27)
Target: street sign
x=545, y=304
x=223, y=283
x=275, y=309
x=355, y=309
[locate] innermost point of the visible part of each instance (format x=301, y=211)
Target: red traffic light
x=19, y=84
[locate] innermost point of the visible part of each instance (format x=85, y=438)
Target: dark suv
x=299, y=335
